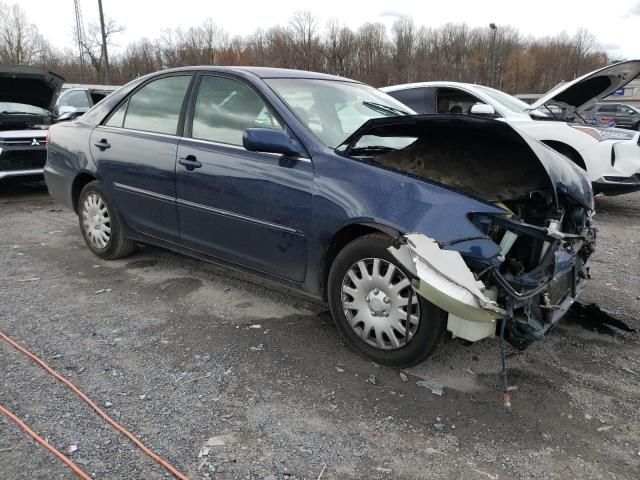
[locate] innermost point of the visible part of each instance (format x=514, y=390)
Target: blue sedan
x=405, y=224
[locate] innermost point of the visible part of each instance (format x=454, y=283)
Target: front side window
x=225, y=108
x=451, y=100
x=332, y=110
x=156, y=106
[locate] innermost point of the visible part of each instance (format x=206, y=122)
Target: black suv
x=624, y=116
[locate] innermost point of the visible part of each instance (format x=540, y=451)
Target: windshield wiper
x=371, y=149
x=385, y=109
x=6, y=112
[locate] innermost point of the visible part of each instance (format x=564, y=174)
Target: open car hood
x=583, y=92
x=29, y=85
x=481, y=157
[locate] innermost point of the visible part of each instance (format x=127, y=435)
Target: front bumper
x=609, y=185
x=22, y=161
x=531, y=302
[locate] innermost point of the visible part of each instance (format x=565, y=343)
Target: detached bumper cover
x=444, y=279
x=534, y=301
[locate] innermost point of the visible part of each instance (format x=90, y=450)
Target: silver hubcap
x=96, y=221
x=375, y=299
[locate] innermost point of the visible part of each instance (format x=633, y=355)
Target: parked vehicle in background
x=77, y=100
x=405, y=224
x=27, y=97
x=621, y=115
x=610, y=156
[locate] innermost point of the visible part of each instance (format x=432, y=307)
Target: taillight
x=46, y=139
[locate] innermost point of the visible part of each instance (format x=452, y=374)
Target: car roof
x=264, y=72
x=407, y=86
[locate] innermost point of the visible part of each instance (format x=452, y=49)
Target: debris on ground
x=102, y=290
x=403, y=377
x=259, y=348
x=435, y=388
x=372, y=379
x=215, y=442
x=591, y=317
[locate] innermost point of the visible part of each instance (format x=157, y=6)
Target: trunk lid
x=581, y=93
x=30, y=86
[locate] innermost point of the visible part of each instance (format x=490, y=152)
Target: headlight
x=602, y=134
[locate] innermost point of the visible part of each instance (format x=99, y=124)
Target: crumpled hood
x=527, y=156
x=29, y=85
x=581, y=93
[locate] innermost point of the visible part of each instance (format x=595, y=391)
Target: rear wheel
x=99, y=225
x=375, y=307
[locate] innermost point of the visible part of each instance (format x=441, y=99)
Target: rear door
x=249, y=208
x=135, y=152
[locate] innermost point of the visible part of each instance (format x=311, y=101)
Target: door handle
x=103, y=144
x=190, y=162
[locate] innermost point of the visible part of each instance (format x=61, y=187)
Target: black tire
x=118, y=245
x=432, y=319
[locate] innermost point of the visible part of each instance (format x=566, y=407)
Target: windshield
x=512, y=103
x=11, y=107
x=332, y=110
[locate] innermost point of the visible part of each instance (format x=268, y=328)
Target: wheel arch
x=342, y=238
x=568, y=151
x=79, y=182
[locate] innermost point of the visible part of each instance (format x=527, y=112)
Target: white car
x=611, y=156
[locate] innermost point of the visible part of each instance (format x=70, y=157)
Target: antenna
x=79, y=35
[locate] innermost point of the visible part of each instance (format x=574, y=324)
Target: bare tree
x=92, y=43
x=20, y=41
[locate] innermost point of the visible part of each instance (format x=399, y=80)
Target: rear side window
x=156, y=106
x=225, y=108
x=117, y=118
x=412, y=97
x=608, y=109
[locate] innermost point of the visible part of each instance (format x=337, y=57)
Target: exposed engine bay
x=543, y=239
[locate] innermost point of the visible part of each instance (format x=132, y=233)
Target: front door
x=135, y=151
x=248, y=208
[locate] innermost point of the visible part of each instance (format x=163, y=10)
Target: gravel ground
x=183, y=353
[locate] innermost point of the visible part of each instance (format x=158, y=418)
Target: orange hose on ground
x=44, y=443
x=97, y=409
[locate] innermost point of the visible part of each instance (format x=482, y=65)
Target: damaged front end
x=528, y=263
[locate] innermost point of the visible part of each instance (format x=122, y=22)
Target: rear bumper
x=616, y=185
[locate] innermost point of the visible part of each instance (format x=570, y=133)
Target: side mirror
x=483, y=109
x=268, y=140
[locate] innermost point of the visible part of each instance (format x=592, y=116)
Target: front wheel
x=99, y=225
x=375, y=307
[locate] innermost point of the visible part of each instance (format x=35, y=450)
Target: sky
x=615, y=24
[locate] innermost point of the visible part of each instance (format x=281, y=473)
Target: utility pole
x=79, y=36
x=104, y=44
x=492, y=80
